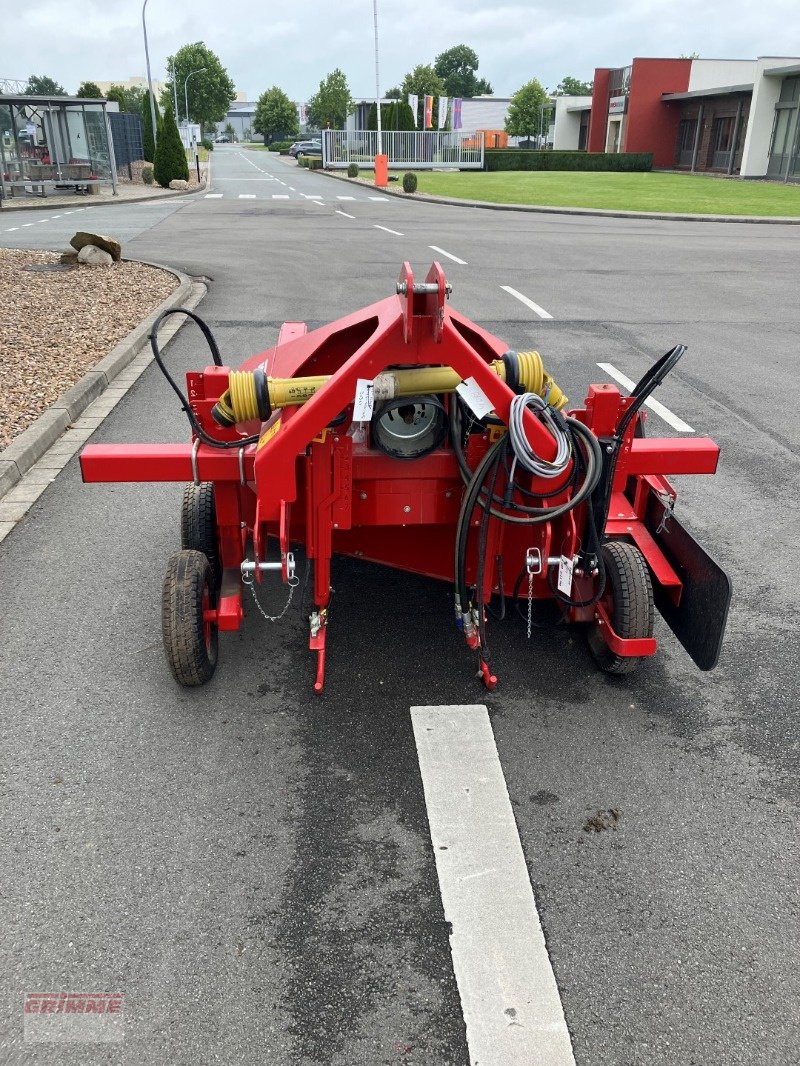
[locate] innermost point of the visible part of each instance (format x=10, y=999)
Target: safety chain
x=293, y=583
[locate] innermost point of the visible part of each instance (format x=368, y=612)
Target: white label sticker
x=364, y=400
x=475, y=398
x=565, y=567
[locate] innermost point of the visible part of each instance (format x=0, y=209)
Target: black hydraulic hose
x=206, y=438
x=462, y=526
x=479, y=574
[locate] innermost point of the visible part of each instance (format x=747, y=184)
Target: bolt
x=609, y=448
x=448, y=494
x=335, y=525
x=363, y=495
x=406, y=509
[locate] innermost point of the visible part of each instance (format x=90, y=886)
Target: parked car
x=223, y=139
x=301, y=148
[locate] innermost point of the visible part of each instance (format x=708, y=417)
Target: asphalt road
x=252, y=866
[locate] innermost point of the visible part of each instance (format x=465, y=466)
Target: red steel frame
x=309, y=482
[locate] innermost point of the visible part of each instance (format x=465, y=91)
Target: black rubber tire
x=190, y=646
x=199, y=524
x=631, y=612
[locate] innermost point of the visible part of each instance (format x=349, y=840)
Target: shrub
x=302, y=161
x=314, y=163
x=279, y=146
x=409, y=182
x=352, y=170
x=207, y=144
x=170, y=162
x=532, y=159
x=147, y=175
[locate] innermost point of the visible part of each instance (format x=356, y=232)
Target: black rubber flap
x=699, y=619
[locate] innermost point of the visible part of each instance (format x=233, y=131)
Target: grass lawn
x=253, y=146
x=673, y=193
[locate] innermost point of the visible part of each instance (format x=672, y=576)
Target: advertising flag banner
x=442, y=112
x=413, y=103
x=428, y=112
x=456, y=112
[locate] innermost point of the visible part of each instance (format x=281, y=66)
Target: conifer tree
x=170, y=161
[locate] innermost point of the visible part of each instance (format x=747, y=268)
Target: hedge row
x=532, y=159
x=313, y=162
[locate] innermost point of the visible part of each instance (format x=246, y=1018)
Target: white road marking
x=12, y=229
x=318, y=203
x=345, y=197
x=281, y=196
x=291, y=187
x=380, y=199
x=214, y=195
x=42, y=219
x=26, y=224
x=56, y=216
x=508, y=991
x=311, y=195
x=247, y=196
x=441, y=251
x=338, y=212
x=540, y=311
x=387, y=230
x=654, y=405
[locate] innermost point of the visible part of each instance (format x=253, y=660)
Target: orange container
x=382, y=170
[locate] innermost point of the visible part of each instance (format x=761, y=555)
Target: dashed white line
x=281, y=196
x=214, y=196
x=26, y=224
x=345, y=197
x=12, y=229
x=290, y=187
x=338, y=212
x=387, y=230
x=56, y=216
x=380, y=199
x=540, y=311
x=318, y=203
x=449, y=255
x=247, y=196
x=654, y=405
x=509, y=995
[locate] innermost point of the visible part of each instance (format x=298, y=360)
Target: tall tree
x=276, y=116
x=331, y=103
x=129, y=100
x=89, y=90
x=148, y=134
x=210, y=91
x=424, y=81
x=524, y=117
x=393, y=93
x=170, y=161
x=570, y=86
x=42, y=85
x=456, y=67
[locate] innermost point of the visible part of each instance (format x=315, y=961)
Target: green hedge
x=279, y=146
x=313, y=162
x=532, y=159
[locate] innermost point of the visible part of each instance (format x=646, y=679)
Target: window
x=687, y=132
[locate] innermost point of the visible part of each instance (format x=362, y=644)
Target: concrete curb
x=32, y=443
x=590, y=212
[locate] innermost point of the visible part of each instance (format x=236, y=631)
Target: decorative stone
x=68, y=257
x=177, y=183
x=108, y=244
x=91, y=255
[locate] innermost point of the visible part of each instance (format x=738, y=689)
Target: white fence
x=422, y=150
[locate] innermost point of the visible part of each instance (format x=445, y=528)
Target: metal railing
x=420, y=149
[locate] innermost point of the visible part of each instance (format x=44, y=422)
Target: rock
x=91, y=255
x=108, y=244
x=68, y=257
x=176, y=183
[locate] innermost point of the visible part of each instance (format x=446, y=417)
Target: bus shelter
x=50, y=143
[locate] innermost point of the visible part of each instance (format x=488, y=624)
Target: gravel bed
x=56, y=326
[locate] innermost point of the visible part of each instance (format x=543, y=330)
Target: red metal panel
x=670, y=455
x=162, y=462
x=598, y=119
x=650, y=124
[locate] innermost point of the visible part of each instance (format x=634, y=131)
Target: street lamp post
x=149, y=79
x=175, y=89
x=377, y=78
x=186, y=92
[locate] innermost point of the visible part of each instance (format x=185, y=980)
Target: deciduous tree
x=331, y=103
x=42, y=85
x=424, y=81
x=211, y=91
x=89, y=90
x=129, y=100
x=456, y=67
x=276, y=116
x=524, y=116
x=570, y=86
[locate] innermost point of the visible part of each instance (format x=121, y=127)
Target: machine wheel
x=190, y=642
x=199, y=524
x=628, y=599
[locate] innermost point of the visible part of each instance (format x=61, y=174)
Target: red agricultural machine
x=407, y=435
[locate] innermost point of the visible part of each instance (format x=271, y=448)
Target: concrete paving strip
x=59, y=432
x=511, y=1004
x=654, y=405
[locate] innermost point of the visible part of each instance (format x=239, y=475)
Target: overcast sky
x=296, y=43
